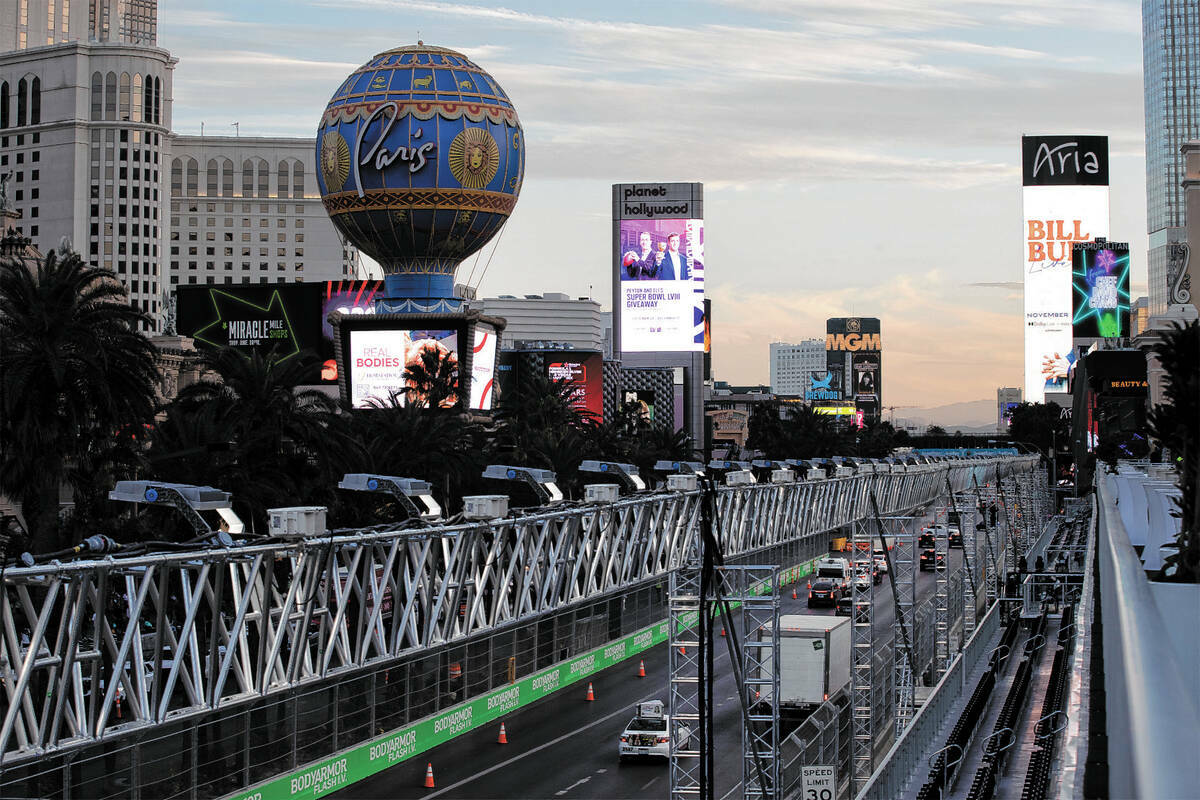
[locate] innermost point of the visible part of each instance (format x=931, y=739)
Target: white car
x=862, y=580
x=648, y=734
x=881, y=564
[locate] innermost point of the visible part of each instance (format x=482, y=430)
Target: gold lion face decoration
x=474, y=158
x=335, y=161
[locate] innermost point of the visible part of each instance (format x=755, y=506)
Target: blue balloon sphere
x=420, y=160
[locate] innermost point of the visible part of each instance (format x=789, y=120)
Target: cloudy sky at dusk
x=859, y=156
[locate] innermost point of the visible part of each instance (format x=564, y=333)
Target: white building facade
x=247, y=210
x=550, y=317
x=83, y=136
x=792, y=365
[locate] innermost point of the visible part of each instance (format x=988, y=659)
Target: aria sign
x=415, y=155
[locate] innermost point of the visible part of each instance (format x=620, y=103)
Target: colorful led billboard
x=585, y=372
x=377, y=359
x=1100, y=290
x=853, y=362
x=1065, y=200
x=343, y=297
x=661, y=270
x=483, y=368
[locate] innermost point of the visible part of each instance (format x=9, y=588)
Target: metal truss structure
x=902, y=563
x=941, y=602
x=683, y=638
x=757, y=623
x=180, y=634
x=862, y=649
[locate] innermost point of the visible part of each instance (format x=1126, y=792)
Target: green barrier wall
x=363, y=761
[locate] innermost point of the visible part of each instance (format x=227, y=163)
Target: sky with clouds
x=860, y=157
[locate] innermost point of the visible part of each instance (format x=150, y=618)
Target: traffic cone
x=429, y=776
x=793, y=594
x=590, y=695
x=682, y=650
x=722, y=631
x=641, y=669
x=503, y=735
x=118, y=705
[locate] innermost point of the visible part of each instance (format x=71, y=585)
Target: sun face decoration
x=474, y=158
x=335, y=161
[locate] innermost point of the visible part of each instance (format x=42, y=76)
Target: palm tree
x=250, y=430
x=74, y=373
x=432, y=379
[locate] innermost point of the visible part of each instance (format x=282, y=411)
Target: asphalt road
x=566, y=747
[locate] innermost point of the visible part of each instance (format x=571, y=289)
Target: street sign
x=818, y=783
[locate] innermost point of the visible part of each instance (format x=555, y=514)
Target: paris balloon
x=420, y=159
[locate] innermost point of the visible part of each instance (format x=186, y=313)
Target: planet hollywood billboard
x=658, y=269
x=1065, y=200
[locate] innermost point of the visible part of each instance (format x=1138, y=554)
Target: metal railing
x=96, y=649
x=919, y=738
x=1153, y=719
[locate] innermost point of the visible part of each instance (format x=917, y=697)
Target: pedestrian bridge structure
x=201, y=673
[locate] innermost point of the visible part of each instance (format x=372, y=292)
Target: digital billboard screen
x=585, y=373
x=866, y=376
x=344, y=297
x=1100, y=290
x=377, y=359
x=642, y=400
x=661, y=273
x=483, y=368
x=283, y=319
x=1065, y=200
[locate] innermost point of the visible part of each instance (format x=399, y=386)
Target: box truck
x=814, y=654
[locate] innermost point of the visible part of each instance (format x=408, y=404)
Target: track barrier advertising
x=339, y=771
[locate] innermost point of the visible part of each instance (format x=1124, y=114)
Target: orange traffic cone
x=641, y=669
x=793, y=594
x=590, y=695
x=503, y=735
x=722, y=631
x=429, y=776
x=682, y=650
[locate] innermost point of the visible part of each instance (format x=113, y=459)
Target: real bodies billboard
x=1065, y=200
x=659, y=269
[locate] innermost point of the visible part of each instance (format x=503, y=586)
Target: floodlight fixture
x=413, y=494
x=189, y=500
x=626, y=474
x=542, y=481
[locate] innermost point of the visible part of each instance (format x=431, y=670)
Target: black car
x=925, y=539
x=823, y=592
x=928, y=555
x=955, y=538
x=845, y=607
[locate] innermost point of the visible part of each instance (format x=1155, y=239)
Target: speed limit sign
x=818, y=783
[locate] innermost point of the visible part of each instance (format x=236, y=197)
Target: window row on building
x=22, y=106
x=128, y=98
x=221, y=176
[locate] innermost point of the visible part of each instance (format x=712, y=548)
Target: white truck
x=814, y=654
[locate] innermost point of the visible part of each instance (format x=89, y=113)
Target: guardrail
x=1153, y=720
x=907, y=754
x=96, y=649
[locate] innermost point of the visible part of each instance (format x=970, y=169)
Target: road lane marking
x=538, y=749
x=579, y=782
x=736, y=786
x=649, y=783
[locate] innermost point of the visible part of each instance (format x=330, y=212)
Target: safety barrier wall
x=98, y=649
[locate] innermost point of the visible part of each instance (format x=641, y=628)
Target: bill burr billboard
x=1100, y=290
x=658, y=253
x=1065, y=200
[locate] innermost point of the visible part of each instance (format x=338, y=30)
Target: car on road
x=926, y=538
x=837, y=570
x=824, y=592
x=881, y=564
x=868, y=567
x=845, y=607
x=648, y=734
x=930, y=557
x=955, y=537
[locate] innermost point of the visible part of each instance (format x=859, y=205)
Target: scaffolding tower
x=902, y=565
x=684, y=694
x=862, y=644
